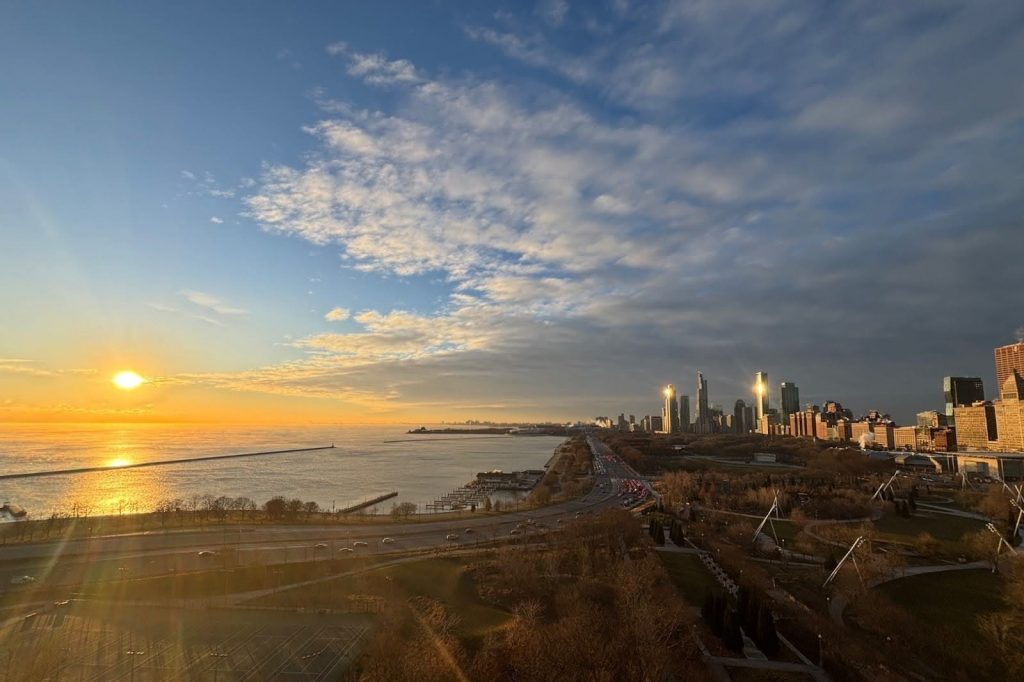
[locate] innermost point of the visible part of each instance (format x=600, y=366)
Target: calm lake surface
x=367, y=461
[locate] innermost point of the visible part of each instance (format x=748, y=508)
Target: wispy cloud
x=216, y=221
x=36, y=369
x=210, y=302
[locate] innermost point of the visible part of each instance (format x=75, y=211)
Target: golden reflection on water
x=116, y=491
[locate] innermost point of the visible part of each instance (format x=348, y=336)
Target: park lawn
x=448, y=581
x=689, y=575
x=953, y=598
x=445, y=579
x=939, y=526
x=224, y=581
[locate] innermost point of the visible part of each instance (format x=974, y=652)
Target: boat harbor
x=476, y=492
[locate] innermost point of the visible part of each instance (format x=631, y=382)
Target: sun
x=126, y=380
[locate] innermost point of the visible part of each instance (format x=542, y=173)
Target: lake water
x=367, y=461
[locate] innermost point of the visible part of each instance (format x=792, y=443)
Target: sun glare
x=119, y=462
x=127, y=380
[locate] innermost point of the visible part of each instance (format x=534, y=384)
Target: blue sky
x=515, y=209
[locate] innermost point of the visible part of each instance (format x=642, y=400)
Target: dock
x=163, y=462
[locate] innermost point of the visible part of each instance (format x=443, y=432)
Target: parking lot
x=98, y=641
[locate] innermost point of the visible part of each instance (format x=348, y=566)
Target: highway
x=162, y=552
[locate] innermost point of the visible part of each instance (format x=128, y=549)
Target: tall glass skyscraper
x=790, y=395
x=760, y=396
x=670, y=413
x=684, y=413
x=703, y=413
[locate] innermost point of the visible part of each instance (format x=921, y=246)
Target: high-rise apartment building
x=790, y=395
x=684, y=414
x=802, y=424
x=1008, y=359
x=760, y=395
x=961, y=392
x=670, y=412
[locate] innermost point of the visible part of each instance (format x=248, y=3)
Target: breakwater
x=368, y=503
x=164, y=462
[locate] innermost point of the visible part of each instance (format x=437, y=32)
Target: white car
x=468, y=530
x=22, y=580
x=514, y=531
x=207, y=553
x=451, y=536
x=360, y=543
x=387, y=541
x=345, y=549
x=320, y=545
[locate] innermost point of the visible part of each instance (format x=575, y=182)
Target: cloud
x=212, y=303
x=553, y=11
x=375, y=68
x=34, y=368
x=337, y=314
x=735, y=185
x=216, y=221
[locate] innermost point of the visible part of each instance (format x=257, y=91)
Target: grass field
x=940, y=526
x=689, y=575
x=230, y=581
x=446, y=580
x=953, y=598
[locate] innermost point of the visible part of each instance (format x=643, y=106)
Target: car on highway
x=360, y=543
x=320, y=545
x=65, y=602
x=468, y=530
x=206, y=553
x=345, y=549
x=387, y=541
x=451, y=536
x=22, y=580
x=514, y=531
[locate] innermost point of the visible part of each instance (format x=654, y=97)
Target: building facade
x=961, y=392
x=1008, y=359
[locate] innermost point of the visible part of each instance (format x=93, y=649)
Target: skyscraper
x=1008, y=358
x=684, y=413
x=790, y=399
x=739, y=422
x=670, y=413
x=961, y=392
x=703, y=414
x=760, y=395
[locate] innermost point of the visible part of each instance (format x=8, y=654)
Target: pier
x=368, y=503
x=164, y=462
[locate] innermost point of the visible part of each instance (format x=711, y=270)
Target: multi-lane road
x=162, y=552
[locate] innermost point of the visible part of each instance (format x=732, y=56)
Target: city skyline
x=415, y=212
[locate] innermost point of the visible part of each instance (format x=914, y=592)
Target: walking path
x=837, y=605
